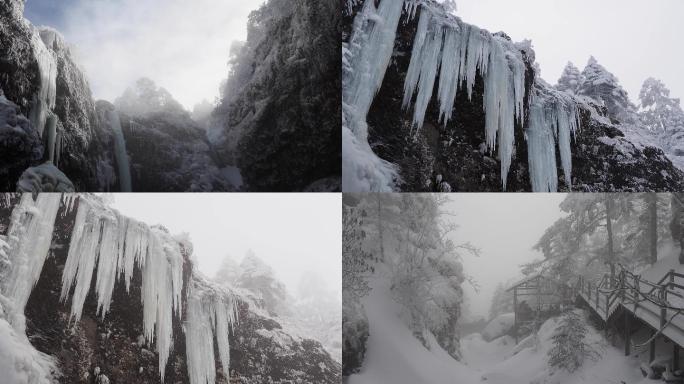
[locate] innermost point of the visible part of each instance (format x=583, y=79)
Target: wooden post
x=651, y=347
x=627, y=333
x=515, y=313
x=675, y=357
x=607, y=309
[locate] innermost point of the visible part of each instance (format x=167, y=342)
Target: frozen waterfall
x=106, y=246
x=120, y=151
x=448, y=51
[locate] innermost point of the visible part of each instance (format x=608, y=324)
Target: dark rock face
x=169, y=152
x=354, y=336
x=82, y=142
x=456, y=151
x=288, y=110
x=112, y=344
x=20, y=80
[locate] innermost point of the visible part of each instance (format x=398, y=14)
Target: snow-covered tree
x=258, y=277
x=659, y=112
x=570, y=347
x=677, y=223
x=570, y=80
x=502, y=302
x=356, y=262
x=601, y=85
x=145, y=98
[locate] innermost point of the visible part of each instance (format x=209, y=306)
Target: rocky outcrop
x=78, y=142
x=282, y=103
x=114, y=346
x=453, y=157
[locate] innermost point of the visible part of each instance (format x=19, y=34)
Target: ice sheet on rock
x=44, y=101
x=211, y=313
x=29, y=236
x=368, y=55
x=122, y=162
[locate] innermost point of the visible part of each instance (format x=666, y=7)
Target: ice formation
x=120, y=151
x=44, y=100
x=554, y=117
x=367, y=56
x=211, y=313
x=104, y=240
x=454, y=52
x=29, y=237
x=116, y=244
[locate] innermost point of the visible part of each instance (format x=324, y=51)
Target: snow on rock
x=499, y=326
x=44, y=178
x=20, y=362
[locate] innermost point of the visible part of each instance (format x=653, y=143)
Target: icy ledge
x=446, y=46
x=113, y=245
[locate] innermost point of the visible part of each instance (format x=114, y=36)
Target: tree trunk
x=653, y=227
x=609, y=229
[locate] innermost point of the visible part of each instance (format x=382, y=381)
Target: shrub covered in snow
x=570, y=347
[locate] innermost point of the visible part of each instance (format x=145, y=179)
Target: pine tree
x=604, y=87
x=570, y=79
x=570, y=348
x=502, y=302
x=660, y=112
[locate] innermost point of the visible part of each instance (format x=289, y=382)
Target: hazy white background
x=634, y=39
x=182, y=45
x=504, y=227
x=293, y=233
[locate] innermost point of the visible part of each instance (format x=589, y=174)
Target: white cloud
x=182, y=45
x=634, y=39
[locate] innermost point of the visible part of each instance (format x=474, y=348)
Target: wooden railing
x=627, y=288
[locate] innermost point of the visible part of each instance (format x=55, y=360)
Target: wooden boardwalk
x=658, y=304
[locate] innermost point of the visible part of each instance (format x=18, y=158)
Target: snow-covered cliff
x=101, y=295
x=431, y=103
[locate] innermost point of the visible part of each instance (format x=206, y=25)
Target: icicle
x=477, y=57
x=449, y=76
x=82, y=256
x=427, y=62
x=108, y=263
x=29, y=237
x=209, y=314
x=541, y=150
x=416, y=64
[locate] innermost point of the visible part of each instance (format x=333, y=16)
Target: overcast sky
x=293, y=233
x=634, y=39
x=504, y=227
x=181, y=45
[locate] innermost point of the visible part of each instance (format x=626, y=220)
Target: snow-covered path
x=395, y=356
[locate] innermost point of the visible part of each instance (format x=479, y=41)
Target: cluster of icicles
x=114, y=245
x=457, y=52
x=41, y=113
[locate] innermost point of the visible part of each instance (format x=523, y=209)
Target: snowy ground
x=395, y=356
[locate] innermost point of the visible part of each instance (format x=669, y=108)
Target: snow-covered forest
x=272, y=128
x=90, y=295
x=597, y=297
x=434, y=104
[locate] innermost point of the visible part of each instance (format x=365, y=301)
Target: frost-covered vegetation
x=396, y=249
